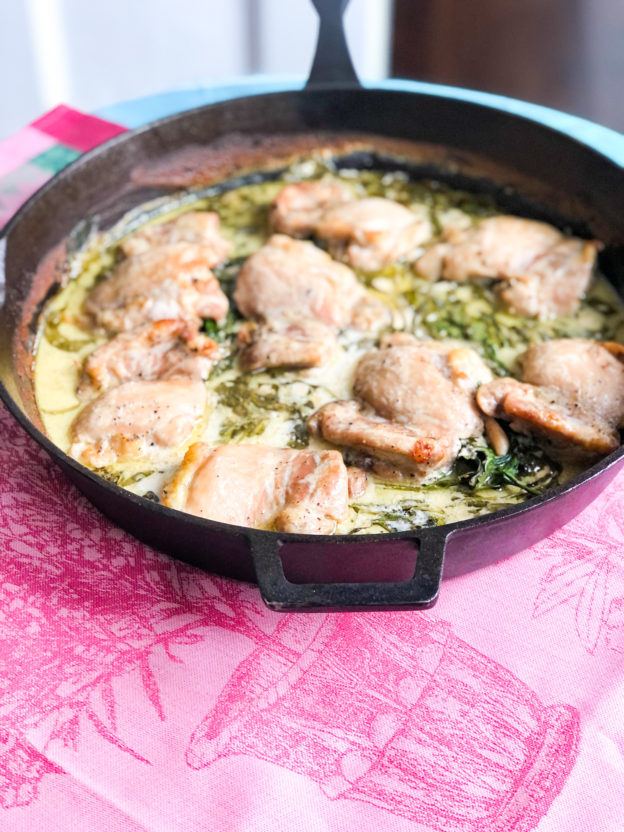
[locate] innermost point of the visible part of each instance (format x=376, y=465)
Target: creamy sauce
x=272, y=407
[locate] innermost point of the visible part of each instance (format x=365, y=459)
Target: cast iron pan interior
x=560, y=180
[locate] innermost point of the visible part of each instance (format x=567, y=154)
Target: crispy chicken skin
x=289, y=277
x=200, y=228
x=298, y=207
x=145, y=420
x=543, y=272
x=164, y=349
x=572, y=396
x=420, y=396
x=284, y=342
x=165, y=282
x=372, y=233
x=276, y=488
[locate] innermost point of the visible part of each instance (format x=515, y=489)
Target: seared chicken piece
x=416, y=382
x=556, y=282
x=298, y=207
x=371, y=233
x=550, y=414
x=145, y=420
x=291, y=277
x=166, y=282
x=274, y=488
x=286, y=342
x=545, y=272
x=421, y=395
x=585, y=370
x=572, y=396
x=393, y=447
x=368, y=233
x=164, y=349
x=200, y=228
x=501, y=246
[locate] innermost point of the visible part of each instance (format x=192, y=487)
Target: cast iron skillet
x=557, y=177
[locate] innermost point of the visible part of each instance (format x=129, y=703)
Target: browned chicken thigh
x=394, y=448
x=572, y=396
x=555, y=284
x=164, y=349
x=373, y=232
x=410, y=381
x=286, y=342
x=298, y=207
x=495, y=247
x=276, y=488
x=145, y=420
x=586, y=370
x=300, y=297
x=200, y=228
x=542, y=271
x=421, y=400
x=367, y=233
x=296, y=278
x=165, y=282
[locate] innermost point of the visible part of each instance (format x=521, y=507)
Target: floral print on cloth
x=390, y=710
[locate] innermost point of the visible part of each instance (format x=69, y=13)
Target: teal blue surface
x=142, y=110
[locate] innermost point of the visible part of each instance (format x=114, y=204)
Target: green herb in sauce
x=472, y=313
x=401, y=516
x=525, y=466
x=259, y=407
x=123, y=478
x=253, y=402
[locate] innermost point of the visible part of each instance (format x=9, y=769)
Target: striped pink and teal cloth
x=29, y=158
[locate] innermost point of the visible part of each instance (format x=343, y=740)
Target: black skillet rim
x=447, y=530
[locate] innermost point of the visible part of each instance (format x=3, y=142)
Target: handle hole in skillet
x=360, y=562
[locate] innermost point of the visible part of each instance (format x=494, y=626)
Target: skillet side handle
x=419, y=592
x=332, y=62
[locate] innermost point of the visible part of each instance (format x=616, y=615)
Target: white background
x=90, y=53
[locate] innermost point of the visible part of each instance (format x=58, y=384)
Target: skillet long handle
x=332, y=62
x=419, y=592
